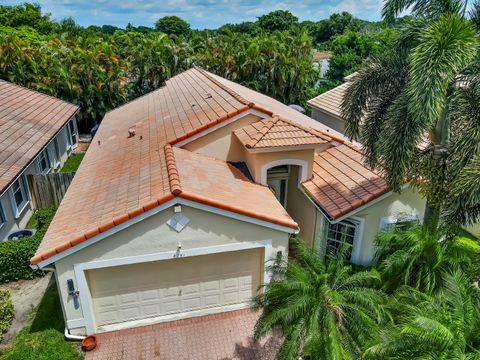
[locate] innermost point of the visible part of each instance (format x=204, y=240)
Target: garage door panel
x=139, y=291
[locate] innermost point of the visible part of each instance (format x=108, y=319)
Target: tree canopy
x=277, y=20
x=172, y=25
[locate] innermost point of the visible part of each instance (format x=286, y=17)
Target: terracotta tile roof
x=341, y=181
x=271, y=106
x=278, y=132
x=121, y=176
x=28, y=121
x=217, y=183
x=330, y=101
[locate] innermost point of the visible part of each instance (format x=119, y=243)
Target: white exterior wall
x=12, y=223
x=153, y=236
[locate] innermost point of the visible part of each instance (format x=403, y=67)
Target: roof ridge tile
x=173, y=176
x=267, y=125
x=236, y=95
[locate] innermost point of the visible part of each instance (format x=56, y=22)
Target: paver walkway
x=225, y=336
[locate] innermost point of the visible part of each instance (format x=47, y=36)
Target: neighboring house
x=326, y=107
x=37, y=132
x=186, y=193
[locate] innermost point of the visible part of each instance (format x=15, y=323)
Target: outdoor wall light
x=73, y=293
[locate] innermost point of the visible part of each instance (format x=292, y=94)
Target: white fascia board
x=154, y=211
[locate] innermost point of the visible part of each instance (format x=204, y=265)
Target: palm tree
x=323, y=310
x=401, y=105
x=419, y=257
x=443, y=326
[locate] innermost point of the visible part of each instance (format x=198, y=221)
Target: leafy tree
x=278, y=20
x=172, y=25
x=246, y=27
x=442, y=326
x=475, y=14
x=323, y=310
x=416, y=256
x=26, y=15
x=336, y=24
x=401, y=108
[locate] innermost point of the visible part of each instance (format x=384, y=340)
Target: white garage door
x=153, y=289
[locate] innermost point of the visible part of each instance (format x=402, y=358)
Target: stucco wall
x=409, y=202
x=222, y=143
x=13, y=224
x=256, y=161
x=300, y=208
x=153, y=235
x=329, y=120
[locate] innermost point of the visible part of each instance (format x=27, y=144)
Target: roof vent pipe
x=131, y=132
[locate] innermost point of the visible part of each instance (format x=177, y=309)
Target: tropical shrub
x=15, y=255
x=440, y=326
x=324, y=310
x=419, y=256
x=6, y=311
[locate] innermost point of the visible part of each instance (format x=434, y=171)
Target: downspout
x=66, y=332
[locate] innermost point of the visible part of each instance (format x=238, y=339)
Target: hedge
x=6, y=311
x=15, y=255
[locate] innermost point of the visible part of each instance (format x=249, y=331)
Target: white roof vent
x=178, y=221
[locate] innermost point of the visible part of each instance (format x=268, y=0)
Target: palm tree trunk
x=431, y=216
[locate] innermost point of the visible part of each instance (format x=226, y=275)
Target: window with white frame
x=341, y=235
x=43, y=162
x=54, y=153
x=3, y=218
x=19, y=195
x=389, y=222
x=71, y=133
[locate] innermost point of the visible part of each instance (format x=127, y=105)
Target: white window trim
x=84, y=290
x=357, y=240
x=3, y=216
x=18, y=210
x=393, y=219
x=44, y=152
x=70, y=144
x=54, y=156
x=303, y=164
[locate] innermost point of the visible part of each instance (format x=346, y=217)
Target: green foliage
x=278, y=20
x=419, y=257
x=350, y=49
x=6, y=311
x=409, y=104
x=15, y=255
x=72, y=163
x=25, y=15
x=323, y=310
x=172, y=25
x=441, y=326
x=42, y=338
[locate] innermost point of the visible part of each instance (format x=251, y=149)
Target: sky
x=199, y=13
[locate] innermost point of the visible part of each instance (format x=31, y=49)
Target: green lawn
x=72, y=163
x=42, y=338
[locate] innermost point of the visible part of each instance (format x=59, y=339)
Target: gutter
x=66, y=332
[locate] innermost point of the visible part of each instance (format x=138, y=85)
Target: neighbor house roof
x=276, y=132
x=331, y=101
x=342, y=182
x=122, y=177
x=28, y=121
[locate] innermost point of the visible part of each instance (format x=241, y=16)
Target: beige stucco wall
x=222, y=143
x=152, y=235
x=329, y=120
x=300, y=208
x=409, y=202
x=256, y=161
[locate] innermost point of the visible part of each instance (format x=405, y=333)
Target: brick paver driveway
x=220, y=336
